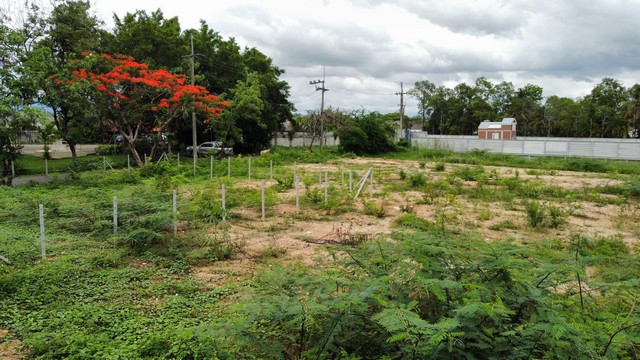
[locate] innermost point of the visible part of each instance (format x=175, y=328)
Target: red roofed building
x=504, y=130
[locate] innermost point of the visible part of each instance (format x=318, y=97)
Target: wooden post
x=262, y=199
x=228, y=166
x=43, y=249
x=178, y=159
x=46, y=167
x=115, y=215
x=128, y=163
x=145, y=159
x=13, y=170
x=270, y=171
x=175, y=213
x=211, y=168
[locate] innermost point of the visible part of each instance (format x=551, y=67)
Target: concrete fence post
x=43, y=248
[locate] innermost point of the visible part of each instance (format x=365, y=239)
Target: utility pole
x=402, y=94
x=323, y=89
x=193, y=111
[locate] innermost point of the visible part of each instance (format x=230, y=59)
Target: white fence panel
x=580, y=148
x=513, y=147
x=533, y=148
x=605, y=150
x=629, y=151
x=556, y=148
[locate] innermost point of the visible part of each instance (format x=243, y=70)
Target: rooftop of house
x=496, y=125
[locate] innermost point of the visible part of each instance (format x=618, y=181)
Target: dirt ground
x=9, y=350
x=293, y=237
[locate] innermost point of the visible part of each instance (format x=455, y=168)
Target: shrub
x=366, y=134
x=439, y=167
x=107, y=149
x=372, y=208
x=542, y=215
x=417, y=179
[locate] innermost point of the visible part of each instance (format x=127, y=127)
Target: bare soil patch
x=293, y=237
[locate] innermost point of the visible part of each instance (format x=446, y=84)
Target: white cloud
x=369, y=46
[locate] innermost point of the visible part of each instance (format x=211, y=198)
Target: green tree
x=564, y=116
x=71, y=30
x=366, y=133
x=424, y=92
x=246, y=113
x=605, y=107
x=527, y=109
x=632, y=112
x=151, y=39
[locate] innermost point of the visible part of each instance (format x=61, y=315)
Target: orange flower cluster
x=132, y=84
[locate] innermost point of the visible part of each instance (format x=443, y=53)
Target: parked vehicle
x=211, y=148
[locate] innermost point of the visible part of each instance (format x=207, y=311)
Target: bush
x=541, y=215
x=107, y=149
x=366, y=134
x=417, y=179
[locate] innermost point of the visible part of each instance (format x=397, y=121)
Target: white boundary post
x=13, y=169
x=326, y=187
x=115, y=215
x=297, y=181
x=362, y=182
x=43, y=248
x=263, y=214
x=224, y=203
x=175, y=213
x=371, y=183
x=295, y=175
x=211, y=168
x=350, y=181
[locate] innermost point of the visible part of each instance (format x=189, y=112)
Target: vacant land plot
x=433, y=259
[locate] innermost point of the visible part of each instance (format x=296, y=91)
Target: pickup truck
x=211, y=148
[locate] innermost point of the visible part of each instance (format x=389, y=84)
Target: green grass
x=426, y=293
x=32, y=165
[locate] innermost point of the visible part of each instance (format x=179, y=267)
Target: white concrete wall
x=58, y=150
x=614, y=149
x=302, y=139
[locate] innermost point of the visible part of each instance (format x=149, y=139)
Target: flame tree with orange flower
x=134, y=100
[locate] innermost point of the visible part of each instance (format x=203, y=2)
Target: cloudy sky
x=369, y=46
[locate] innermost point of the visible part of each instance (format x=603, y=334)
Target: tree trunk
x=136, y=156
x=72, y=148
x=7, y=179
x=134, y=153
